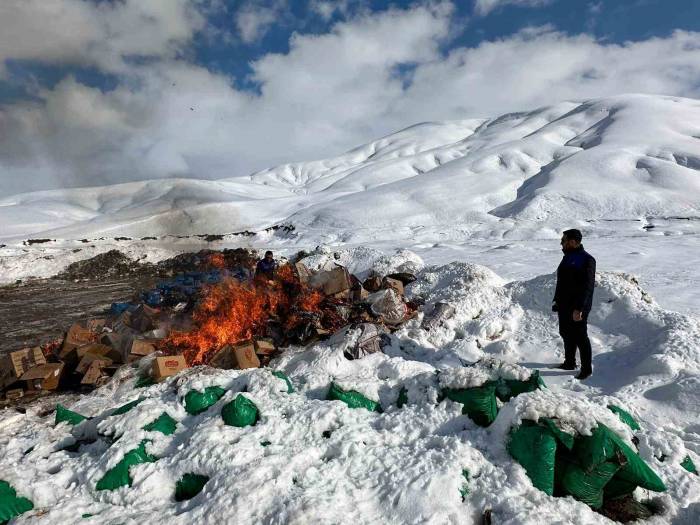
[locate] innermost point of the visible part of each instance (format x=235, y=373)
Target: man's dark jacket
x=266, y=269
x=575, y=281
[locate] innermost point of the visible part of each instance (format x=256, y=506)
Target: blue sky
x=103, y=91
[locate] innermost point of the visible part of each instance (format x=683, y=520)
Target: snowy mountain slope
x=624, y=157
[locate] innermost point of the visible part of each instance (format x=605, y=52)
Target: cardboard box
x=393, y=284
x=77, y=336
x=264, y=347
x=96, y=325
x=224, y=358
x=303, y=272
x=244, y=354
x=43, y=377
x=15, y=364
x=332, y=281
x=94, y=372
x=135, y=349
x=167, y=366
x=14, y=394
x=87, y=360
x=143, y=318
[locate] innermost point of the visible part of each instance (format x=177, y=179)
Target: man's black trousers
x=575, y=335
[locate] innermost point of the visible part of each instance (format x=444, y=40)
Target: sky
x=97, y=92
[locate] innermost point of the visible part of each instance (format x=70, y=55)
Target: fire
x=217, y=260
x=231, y=311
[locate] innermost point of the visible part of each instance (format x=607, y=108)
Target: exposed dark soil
x=40, y=310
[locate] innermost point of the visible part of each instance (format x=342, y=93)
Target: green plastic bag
x=587, y=485
x=125, y=408
x=464, y=489
x=189, y=486
x=625, y=417
x=688, y=465
x=617, y=488
x=163, y=424
x=11, y=505
x=197, y=402
x=535, y=447
x=283, y=376
x=241, y=412
x=403, y=398
x=479, y=403
x=63, y=414
x=352, y=398
x=144, y=381
x=506, y=389
x=604, y=445
x=562, y=437
x=118, y=476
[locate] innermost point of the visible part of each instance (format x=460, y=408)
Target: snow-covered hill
x=526, y=174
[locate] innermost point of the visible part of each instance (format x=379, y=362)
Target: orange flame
x=230, y=312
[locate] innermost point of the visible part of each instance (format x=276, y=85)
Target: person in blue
x=265, y=269
x=573, y=299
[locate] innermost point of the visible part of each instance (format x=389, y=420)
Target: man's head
x=268, y=255
x=570, y=240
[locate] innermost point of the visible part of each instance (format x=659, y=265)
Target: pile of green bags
x=591, y=468
x=479, y=403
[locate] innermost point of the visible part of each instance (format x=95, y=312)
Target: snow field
x=340, y=465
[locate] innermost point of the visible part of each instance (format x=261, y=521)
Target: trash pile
x=591, y=462
x=208, y=308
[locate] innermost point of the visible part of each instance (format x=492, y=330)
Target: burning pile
x=213, y=311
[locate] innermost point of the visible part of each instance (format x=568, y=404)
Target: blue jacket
x=575, y=281
x=266, y=268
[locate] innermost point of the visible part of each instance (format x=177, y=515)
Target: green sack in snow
x=197, y=402
x=606, y=446
x=241, y=412
x=479, y=403
x=586, y=485
x=352, y=398
x=562, y=437
x=189, y=486
x=535, y=447
x=688, y=465
x=403, y=398
x=118, y=476
x=285, y=378
x=63, y=414
x=163, y=424
x=506, y=389
x=144, y=381
x=11, y=505
x=625, y=417
x=125, y=408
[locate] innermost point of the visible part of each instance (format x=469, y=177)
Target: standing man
x=573, y=299
x=265, y=269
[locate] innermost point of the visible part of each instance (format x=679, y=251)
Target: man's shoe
x=583, y=374
x=566, y=366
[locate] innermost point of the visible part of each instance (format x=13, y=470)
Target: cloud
x=484, y=7
x=95, y=34
x=255, y=19
x=330, y=92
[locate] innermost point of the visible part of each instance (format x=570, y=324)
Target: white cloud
x=253, y=21
x=484, y=7
x=88, y=33
x=327, y=8
x=329, y=93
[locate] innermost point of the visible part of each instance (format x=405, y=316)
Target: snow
x=474, y=209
